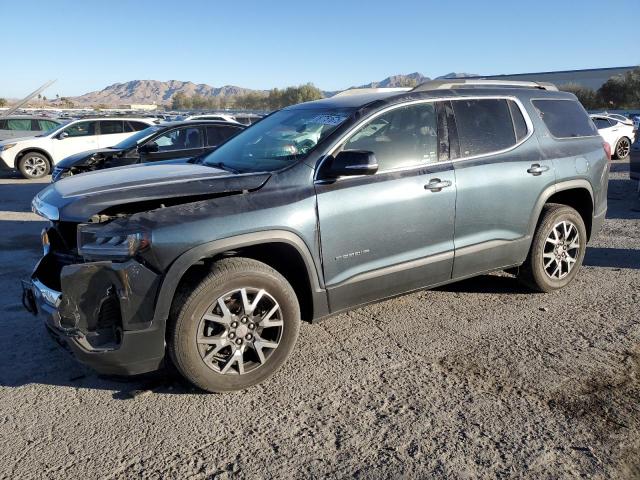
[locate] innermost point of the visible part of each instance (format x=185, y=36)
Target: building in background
x=592, y=78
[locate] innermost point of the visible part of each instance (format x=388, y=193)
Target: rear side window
x=565, y=118
x=218, y=134
x=601, y=123
x=484, y=126
x=47, y=125
x=135, y=126
x=108, y=127
x=19, y=124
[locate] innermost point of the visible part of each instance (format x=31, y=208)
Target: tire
x=623, y=149
x=34, y=165
x=205, y=350
x=540, y=272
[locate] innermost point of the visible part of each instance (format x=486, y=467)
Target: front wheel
x=235, y=328
x=33, y=165
x=557, y=250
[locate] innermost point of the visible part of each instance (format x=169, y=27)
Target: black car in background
x=167, y=141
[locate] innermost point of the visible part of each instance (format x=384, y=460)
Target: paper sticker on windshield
x=328, y=119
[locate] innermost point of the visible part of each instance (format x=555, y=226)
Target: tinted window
x=484, y=126
x=47, y=125
x=519, y=124
x=3, y=124
x=81, y=129
x=109, y=127
x=217, y=135
x=179, y=139
x=601, y=123
x=403, y=137
x=135, y=126
x=19, y=124
x=565, y=118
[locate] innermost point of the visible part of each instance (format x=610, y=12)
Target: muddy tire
x=235, y=328
x=557, y=250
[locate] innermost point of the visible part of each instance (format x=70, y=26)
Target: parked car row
x=87, y=144
x=314, y=210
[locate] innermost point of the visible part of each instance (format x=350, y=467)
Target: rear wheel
x=557, y=250
x=33, y=165
x=236, y=328
x=623, y=148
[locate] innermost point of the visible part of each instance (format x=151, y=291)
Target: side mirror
x=353, y=162
x=62, y=135
x=151, y=147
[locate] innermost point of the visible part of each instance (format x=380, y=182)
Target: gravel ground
x=480, y=379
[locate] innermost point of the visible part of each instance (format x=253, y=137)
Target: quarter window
x=484, y=126
x=46, y=125
x=565, y=118
x=402, y=137
x=134, y=126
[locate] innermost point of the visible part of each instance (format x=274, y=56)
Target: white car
x=222, y=117
x=35, y=156
x=617, y=134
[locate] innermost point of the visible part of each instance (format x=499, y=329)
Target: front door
x=390, y=232
x=75, y=138
x=180, y=143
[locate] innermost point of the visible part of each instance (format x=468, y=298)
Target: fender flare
x=207, y=250
x=548, y=192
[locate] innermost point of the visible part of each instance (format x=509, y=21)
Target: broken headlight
x=102, y=242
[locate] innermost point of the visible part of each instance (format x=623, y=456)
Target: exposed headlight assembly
x=7, y=146
x=105, y=242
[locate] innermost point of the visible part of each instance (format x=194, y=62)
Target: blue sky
x=88, y=45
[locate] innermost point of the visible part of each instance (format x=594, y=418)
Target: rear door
x=390, y=232
x=607, y=130
x=500, y=175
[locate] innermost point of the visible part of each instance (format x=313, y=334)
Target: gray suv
x=318, y=208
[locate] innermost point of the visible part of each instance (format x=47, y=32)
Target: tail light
x=607, y=150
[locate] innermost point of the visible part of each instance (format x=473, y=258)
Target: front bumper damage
x=101, y=312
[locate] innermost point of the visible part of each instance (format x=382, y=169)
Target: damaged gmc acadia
x=318, y=208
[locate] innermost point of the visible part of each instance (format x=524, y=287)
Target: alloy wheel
x=561, y=250
x=240, y=331
x=623, y=148
x=35, y=166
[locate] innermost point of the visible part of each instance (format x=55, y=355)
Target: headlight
x=96, y=241
x=7, y=146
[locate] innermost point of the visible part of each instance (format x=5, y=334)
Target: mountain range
x=154, y=91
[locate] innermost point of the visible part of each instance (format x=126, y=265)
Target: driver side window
x=179, y=139
x=81, y=129
x=403, y=137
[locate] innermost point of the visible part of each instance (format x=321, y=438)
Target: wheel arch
x=577, y=194
x=282, y=250
x=26, y=150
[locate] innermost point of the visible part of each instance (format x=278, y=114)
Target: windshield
x=278, y=140
x=137, y=138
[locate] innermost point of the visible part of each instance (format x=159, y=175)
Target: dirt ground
x=479, y=379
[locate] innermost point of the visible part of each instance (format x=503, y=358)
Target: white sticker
x=328, y=119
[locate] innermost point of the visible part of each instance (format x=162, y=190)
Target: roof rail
x=453, y=83
x=359, y=91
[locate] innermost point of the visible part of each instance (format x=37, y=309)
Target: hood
x=77, y=198
x=20, y=139
x=80, y=158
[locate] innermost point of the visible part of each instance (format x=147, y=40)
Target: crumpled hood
x=79, y=197
x=80, y=158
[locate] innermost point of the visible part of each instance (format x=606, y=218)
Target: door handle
x=435, y=184
x=536, y=169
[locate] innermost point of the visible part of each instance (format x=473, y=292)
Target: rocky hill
x=154, y=91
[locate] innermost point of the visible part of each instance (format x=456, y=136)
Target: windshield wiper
x=222, y=166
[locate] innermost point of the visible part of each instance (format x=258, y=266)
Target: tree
x=3, y=102
x=587, y=96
